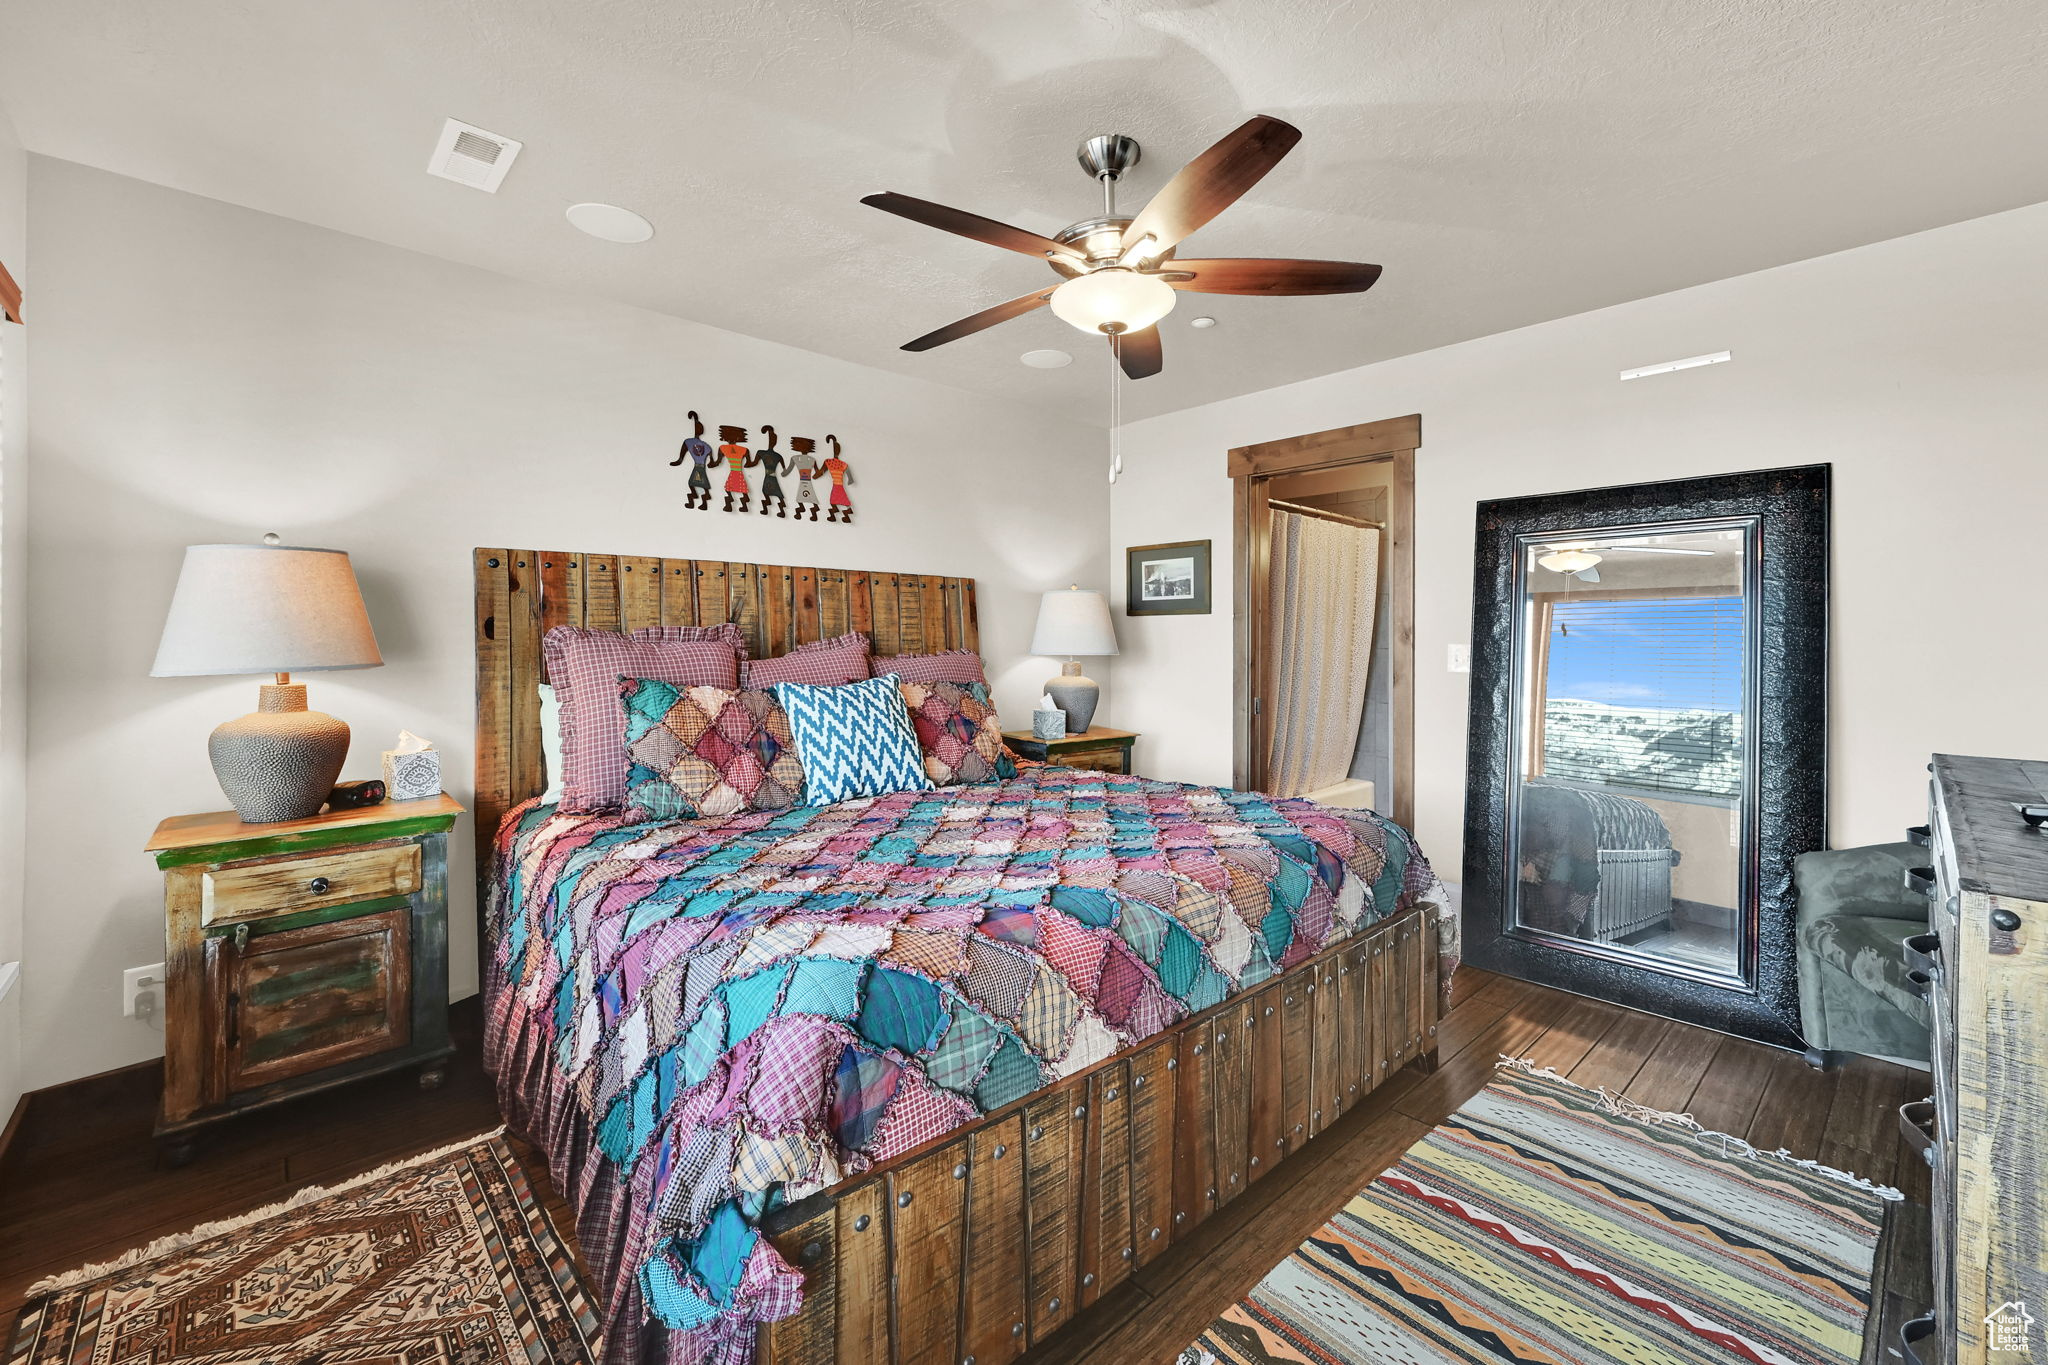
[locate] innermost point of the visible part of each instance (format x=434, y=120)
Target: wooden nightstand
x=1100, y=748
x=299, y=955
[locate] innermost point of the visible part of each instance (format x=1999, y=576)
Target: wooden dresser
x=299, y=955
x=1985, y=969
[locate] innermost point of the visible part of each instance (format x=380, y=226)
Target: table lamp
x=1074, y=622
x=279, y=609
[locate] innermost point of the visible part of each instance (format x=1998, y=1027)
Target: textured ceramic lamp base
x=1076, y=695
x=279, y=762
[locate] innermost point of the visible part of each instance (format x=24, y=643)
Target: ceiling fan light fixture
x=1102, y=242
x=1572, y=559
x=1112, y=300
x=1143, y=251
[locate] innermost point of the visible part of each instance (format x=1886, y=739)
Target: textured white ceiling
x=1507, y=161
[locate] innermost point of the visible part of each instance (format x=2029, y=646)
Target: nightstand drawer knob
x=319, y=886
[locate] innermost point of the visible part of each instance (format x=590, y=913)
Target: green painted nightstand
x=1098, y=747
x=300, y=955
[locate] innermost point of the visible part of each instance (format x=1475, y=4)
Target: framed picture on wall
x=1167, y=580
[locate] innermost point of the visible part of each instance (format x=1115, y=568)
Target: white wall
x=205, y=372
x=13, y=599
x=1918, y=367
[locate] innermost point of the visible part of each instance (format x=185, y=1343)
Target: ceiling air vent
x=472, y=156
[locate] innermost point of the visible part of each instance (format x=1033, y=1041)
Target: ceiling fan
x=1120, y=274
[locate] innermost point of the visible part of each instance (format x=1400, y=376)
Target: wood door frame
x=1251, y=468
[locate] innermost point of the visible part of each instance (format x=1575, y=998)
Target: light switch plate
x=1459, y=658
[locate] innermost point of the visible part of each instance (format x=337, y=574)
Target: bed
x=918, y=1077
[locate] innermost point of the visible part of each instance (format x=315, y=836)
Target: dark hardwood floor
x=85, y=1184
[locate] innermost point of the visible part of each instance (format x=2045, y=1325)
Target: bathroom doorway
x=1325, y=615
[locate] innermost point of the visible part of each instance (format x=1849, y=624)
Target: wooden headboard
x=522, y=593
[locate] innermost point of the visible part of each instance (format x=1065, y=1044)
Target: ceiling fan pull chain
x=1116, y=407
x=1112, y=408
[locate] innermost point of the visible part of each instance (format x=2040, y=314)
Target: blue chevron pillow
x=854, y=739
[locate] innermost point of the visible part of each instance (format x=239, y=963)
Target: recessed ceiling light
x=1047, y=360
x=1203, y=321
x=610, y=222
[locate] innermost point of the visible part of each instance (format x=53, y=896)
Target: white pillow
x=551, y=743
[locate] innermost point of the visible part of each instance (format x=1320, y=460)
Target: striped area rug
x=1548, y=1223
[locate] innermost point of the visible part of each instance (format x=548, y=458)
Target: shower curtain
x=1325, y=588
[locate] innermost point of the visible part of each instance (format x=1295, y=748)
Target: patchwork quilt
x=699, y=1020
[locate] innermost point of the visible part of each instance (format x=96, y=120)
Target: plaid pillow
x=948, y=666
x=822, y=663
x=855, y=740
x=959, y=732
x=585, y=666
x=728, y=632
x=706, y=750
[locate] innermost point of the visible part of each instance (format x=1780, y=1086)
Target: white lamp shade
x=1073, y=621
x=1117, y=299
x=265, y=609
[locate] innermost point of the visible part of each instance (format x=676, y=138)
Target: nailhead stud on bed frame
x=986, y=1242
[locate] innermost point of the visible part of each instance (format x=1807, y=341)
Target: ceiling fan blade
x=1138, y=352
x=965, y=224
x=1212, y=182
x=975, y=322
x=1588, y=575
x=1252, y=275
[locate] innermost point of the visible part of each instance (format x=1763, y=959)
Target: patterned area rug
x=443, y=1259
x=1548, y=1223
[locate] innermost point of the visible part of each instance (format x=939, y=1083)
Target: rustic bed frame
x=986, y=1242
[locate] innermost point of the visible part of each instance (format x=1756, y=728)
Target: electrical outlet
x=137, y=982
x=1459, y=658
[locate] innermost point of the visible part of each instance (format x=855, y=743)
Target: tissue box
x=1048, y=725
x=412, y=777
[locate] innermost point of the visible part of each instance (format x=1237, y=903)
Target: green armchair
x=1854, y=914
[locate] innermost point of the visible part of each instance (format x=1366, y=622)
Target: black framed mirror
x=1648, y=742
